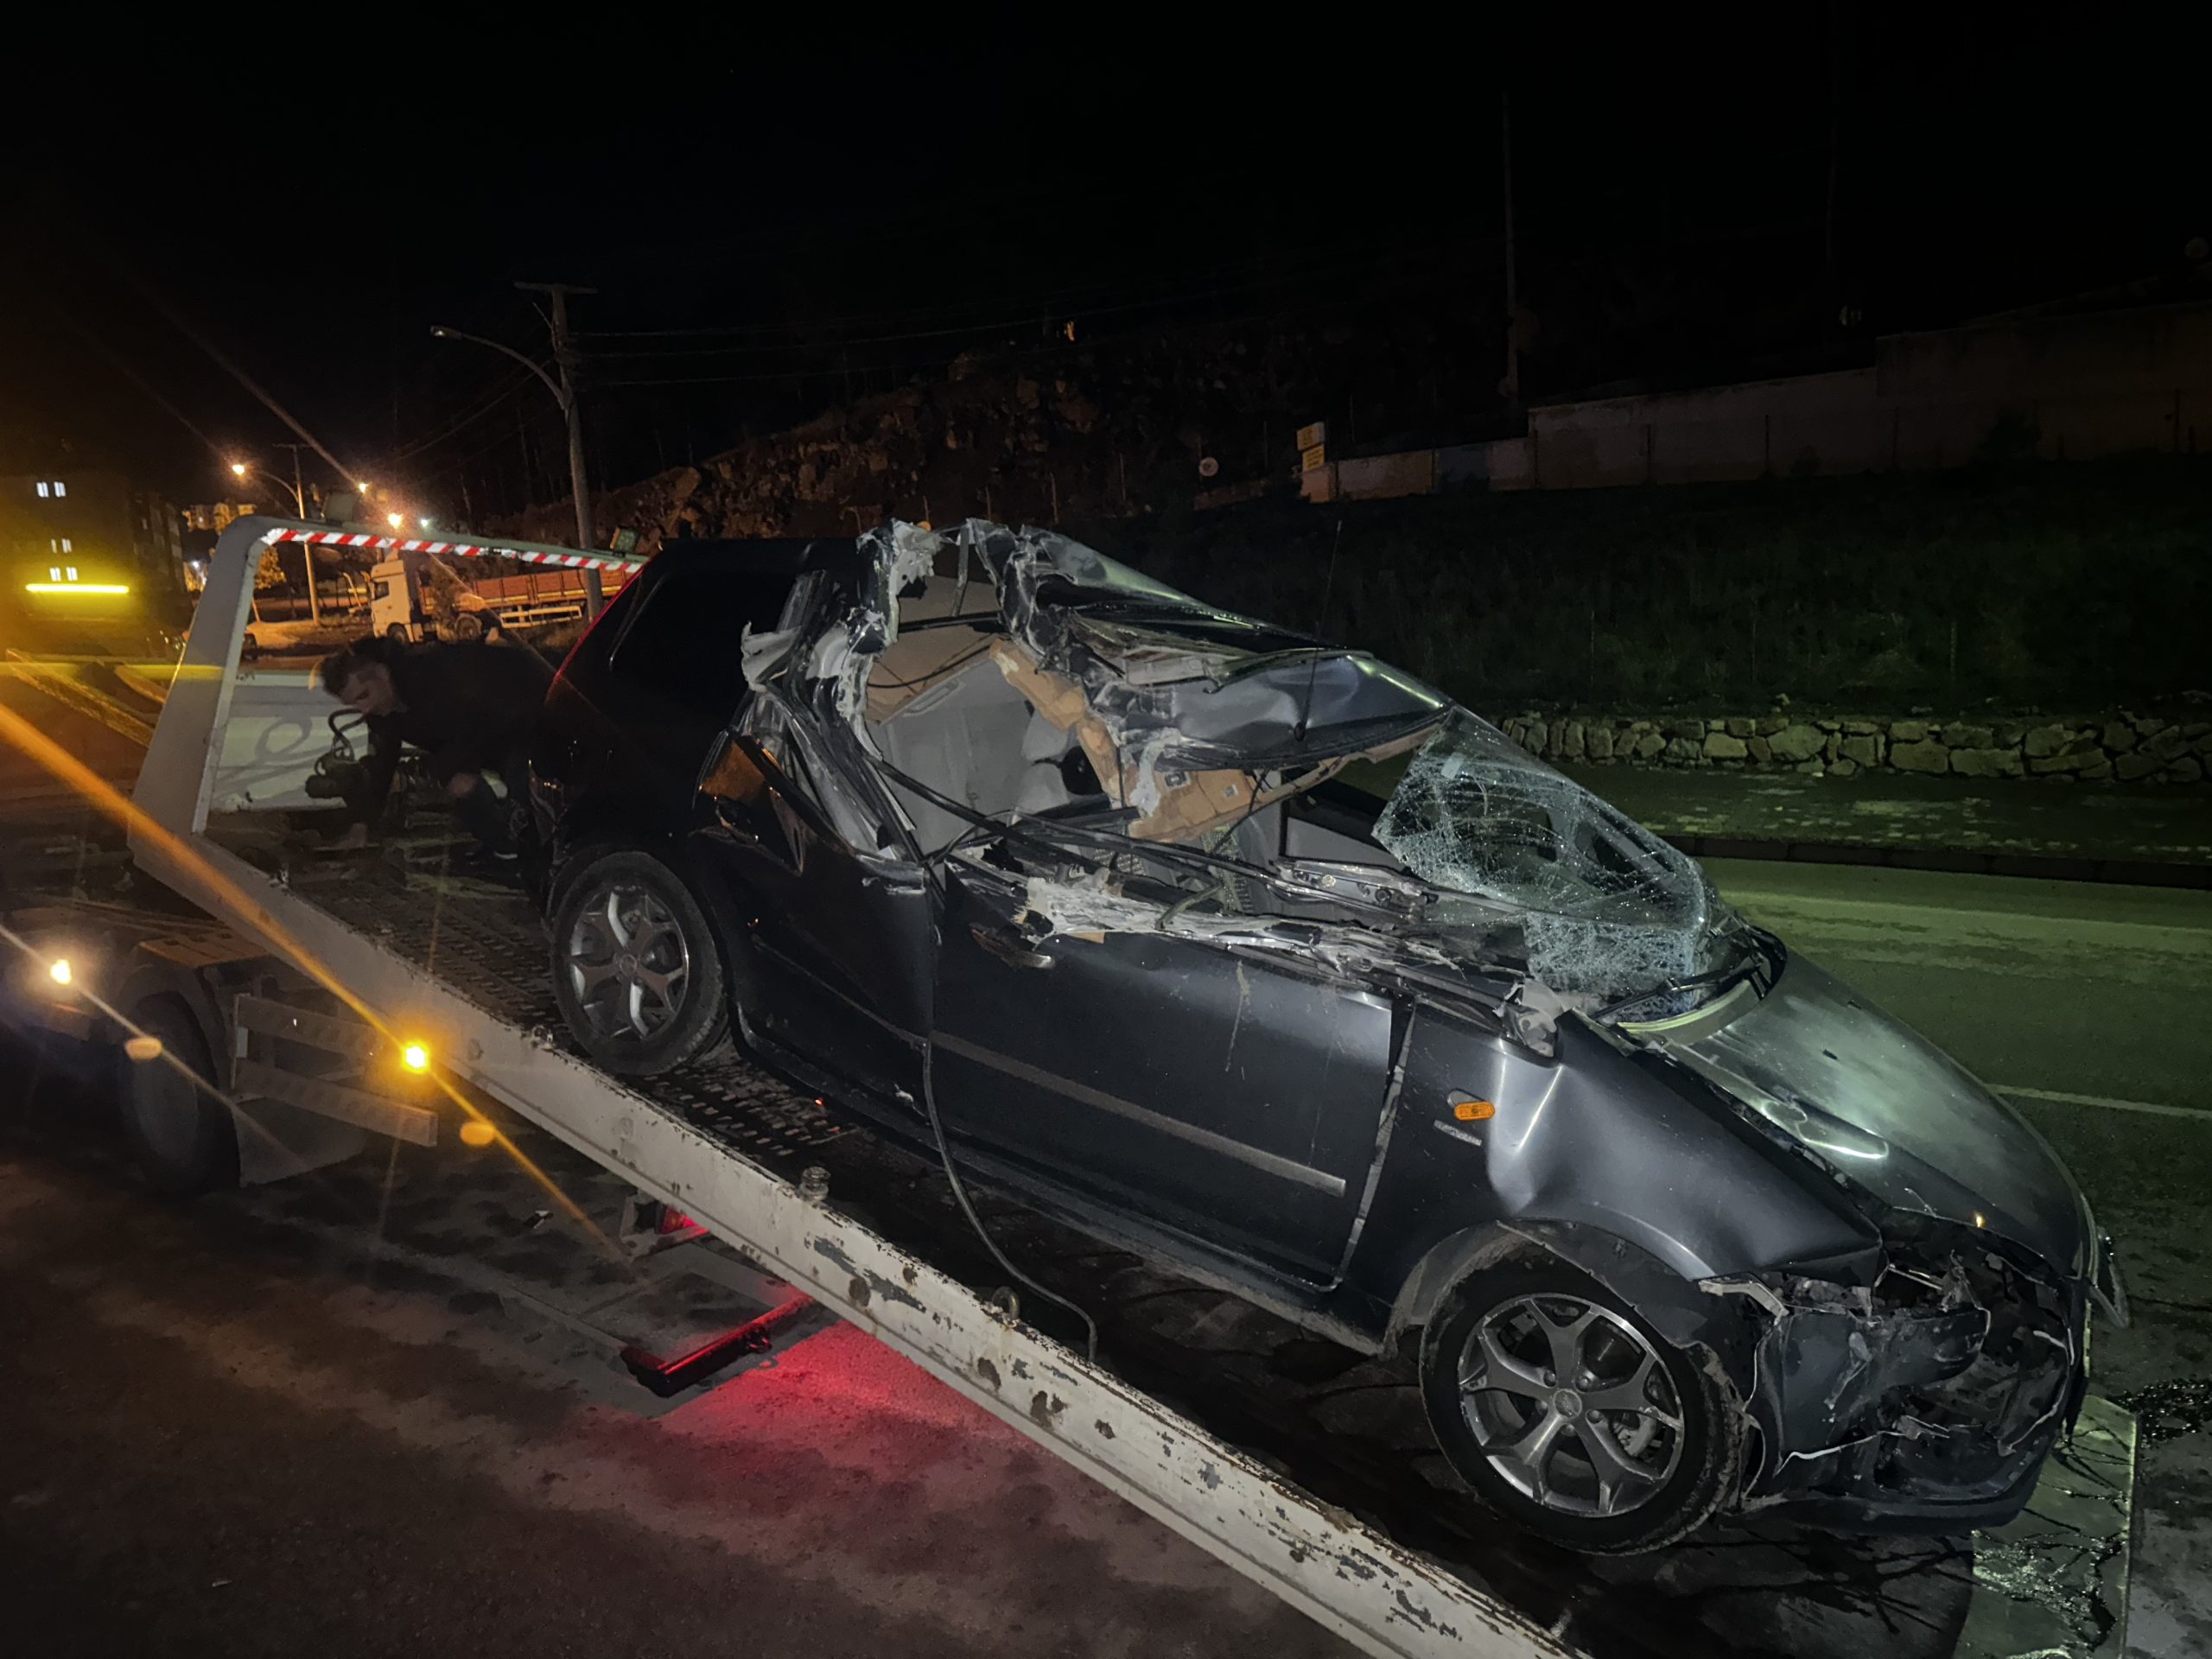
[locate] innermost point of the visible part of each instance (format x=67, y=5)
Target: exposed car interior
x=943, y=710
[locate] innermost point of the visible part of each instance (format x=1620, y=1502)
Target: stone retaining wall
x=2125, y=748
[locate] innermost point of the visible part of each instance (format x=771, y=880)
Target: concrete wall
x=2069, y=388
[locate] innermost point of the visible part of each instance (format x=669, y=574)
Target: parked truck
x=402, y=603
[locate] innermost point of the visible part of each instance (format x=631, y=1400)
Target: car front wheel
x=1567, y=1411
x=635, y=969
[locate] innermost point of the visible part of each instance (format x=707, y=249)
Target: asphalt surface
x=1883, y=815
x=214, y=1440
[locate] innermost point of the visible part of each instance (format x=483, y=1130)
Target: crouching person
x=471, y=709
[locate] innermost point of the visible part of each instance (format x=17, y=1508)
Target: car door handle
x=1009, y=948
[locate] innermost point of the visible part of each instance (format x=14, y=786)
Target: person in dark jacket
x=470, y=707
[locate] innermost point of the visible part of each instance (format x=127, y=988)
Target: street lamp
x=395, y=519
x=564, y=394
x=240, y=469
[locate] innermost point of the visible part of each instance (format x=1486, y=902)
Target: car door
x=1214, y=1090
x=838, y=916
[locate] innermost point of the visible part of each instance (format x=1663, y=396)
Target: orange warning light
x=474, y=1133
x=1473, y=1111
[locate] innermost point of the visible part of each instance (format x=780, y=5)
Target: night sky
x=818, y=207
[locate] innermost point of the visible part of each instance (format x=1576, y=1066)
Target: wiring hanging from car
x=960, y=1196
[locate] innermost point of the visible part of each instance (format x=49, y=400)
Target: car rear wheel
x=635, y=968
x=1567, y=1411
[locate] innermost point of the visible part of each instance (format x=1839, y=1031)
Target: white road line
x=2106, y=1102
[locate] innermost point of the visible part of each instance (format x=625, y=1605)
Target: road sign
x=1314, y=457
x=1313, y=436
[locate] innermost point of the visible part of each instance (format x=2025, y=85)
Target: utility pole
x=564, y=391
x=564, y=359
x=1510, y=386
x=307, y=550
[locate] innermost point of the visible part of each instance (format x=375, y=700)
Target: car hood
x=1894, y=1114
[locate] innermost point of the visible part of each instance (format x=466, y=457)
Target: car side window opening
x=683, y=644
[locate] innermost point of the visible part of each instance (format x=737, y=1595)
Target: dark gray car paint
x=1950, y=1147
x=1572, y=1137
x=1242, y=1100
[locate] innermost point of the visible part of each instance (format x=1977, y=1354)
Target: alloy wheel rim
x=628, y=963
x=1571, y=1405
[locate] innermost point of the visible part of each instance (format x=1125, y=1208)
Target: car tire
x=1675, y=1435
x=636, y=968
x=181, y=1134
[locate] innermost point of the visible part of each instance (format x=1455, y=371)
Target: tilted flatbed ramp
x=464, y=975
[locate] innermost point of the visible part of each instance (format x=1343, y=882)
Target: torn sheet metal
x=1181, y=684
x=1942, y=1384
x=761, y=654
x=1090, y=909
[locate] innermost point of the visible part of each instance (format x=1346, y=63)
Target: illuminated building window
x=44, y=488
x=60, y=489
x=54, y=573
x=73, y=573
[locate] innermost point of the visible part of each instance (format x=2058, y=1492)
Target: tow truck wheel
x=1565, y=1410
x=635, y=966
x=180, y=1134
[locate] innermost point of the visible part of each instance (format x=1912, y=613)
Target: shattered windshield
x=1602, y=905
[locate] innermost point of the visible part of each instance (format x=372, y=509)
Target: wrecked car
x=1266, y=958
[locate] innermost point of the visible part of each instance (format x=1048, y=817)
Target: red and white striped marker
x=461, y=550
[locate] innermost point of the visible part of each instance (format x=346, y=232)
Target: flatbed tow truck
x=331, y=1001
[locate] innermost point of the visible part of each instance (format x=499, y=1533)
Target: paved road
x=216, y=1443
x=2151, y=824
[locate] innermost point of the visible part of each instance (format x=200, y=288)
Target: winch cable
x=967, y=1208
x=936, y=1122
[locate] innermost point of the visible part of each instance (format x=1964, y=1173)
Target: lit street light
x=239, y=469
x=395, y=519
x=564, y=391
